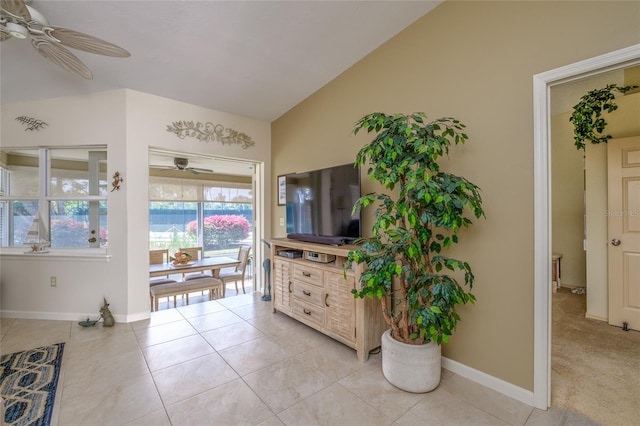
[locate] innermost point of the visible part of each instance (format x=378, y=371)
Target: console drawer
x=308, y=275
x=306, y=312
x=308, y=293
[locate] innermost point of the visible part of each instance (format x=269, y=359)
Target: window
x=188, y=212
x=66, y=187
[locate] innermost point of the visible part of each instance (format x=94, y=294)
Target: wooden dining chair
x=196, y=253
x=157, y=257
x=237, y=274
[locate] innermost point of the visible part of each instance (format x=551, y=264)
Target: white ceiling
x=256, y=59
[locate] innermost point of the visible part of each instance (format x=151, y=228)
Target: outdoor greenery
x=414, y=226
x=178, y=240
x=71, y=233
x=588, y=123
x=220, y=231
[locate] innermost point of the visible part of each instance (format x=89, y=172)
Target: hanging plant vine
x=588, y=123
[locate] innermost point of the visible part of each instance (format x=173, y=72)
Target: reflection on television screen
x=320, y=202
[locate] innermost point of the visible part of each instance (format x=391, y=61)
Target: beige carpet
x=595, y=368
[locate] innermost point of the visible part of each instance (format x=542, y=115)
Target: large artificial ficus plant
x=406, y=264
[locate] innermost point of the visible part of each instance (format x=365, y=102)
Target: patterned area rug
x=28, y=382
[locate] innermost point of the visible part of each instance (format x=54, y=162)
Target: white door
x=624, y=231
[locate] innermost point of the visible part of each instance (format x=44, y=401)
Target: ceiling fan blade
x=87, y=43
x=16, y=8
x=158, y=166
x=4, y=36
x=197, y=170
x=61, y=56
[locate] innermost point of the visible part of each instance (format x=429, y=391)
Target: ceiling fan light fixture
x=181, y=163
x=17, y=30
x=22, y=21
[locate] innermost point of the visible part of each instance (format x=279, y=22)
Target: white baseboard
x=572, y=286
x=137, y=317
x=596, y=317
x=60, y=316
x=498, y=385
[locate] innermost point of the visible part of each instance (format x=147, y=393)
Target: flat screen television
x=320, y=203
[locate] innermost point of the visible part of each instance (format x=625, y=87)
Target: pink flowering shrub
x=72, y=233
x=220, y=231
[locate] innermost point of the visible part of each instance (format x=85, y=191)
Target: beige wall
x=474, y=61
x=632, y=78
x=595, y=205
x=567, y=202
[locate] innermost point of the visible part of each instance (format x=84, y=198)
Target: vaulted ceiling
x=257, y=59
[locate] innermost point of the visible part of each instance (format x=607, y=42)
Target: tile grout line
x=199, y=333
x=239, y=375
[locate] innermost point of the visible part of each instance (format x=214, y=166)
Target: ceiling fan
x=17, y=20
x=182, y=164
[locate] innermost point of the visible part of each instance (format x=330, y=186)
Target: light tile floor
x=233, y=361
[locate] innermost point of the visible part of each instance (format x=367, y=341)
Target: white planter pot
x=413, y=368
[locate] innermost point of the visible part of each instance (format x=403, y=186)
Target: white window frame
x=44, y=198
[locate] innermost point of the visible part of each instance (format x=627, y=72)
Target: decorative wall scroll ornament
x=210, y=132
x=116, y=182
x=31, y=123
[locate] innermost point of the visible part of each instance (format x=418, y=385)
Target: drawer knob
x=306, y=293
x=306, y=274
x=307, y=312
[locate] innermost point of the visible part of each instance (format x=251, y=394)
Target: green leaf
x=416, y=217
x=586, y=115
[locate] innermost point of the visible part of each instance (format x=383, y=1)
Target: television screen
x=320, y=202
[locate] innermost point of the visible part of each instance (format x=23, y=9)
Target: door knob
x=616, y=242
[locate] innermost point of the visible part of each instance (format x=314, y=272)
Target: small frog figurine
x=106, y=315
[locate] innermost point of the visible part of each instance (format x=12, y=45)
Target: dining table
x=213, y=264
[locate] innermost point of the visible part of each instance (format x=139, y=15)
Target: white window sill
x=22, y=253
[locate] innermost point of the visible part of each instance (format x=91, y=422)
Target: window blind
x=172, y=189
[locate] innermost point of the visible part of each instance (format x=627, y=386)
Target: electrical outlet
x=54, y=282
x=282, y=221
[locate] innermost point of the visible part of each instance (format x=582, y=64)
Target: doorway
x=208, y=202
x=579, y=191
x=542, y=203
x=581, y=339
